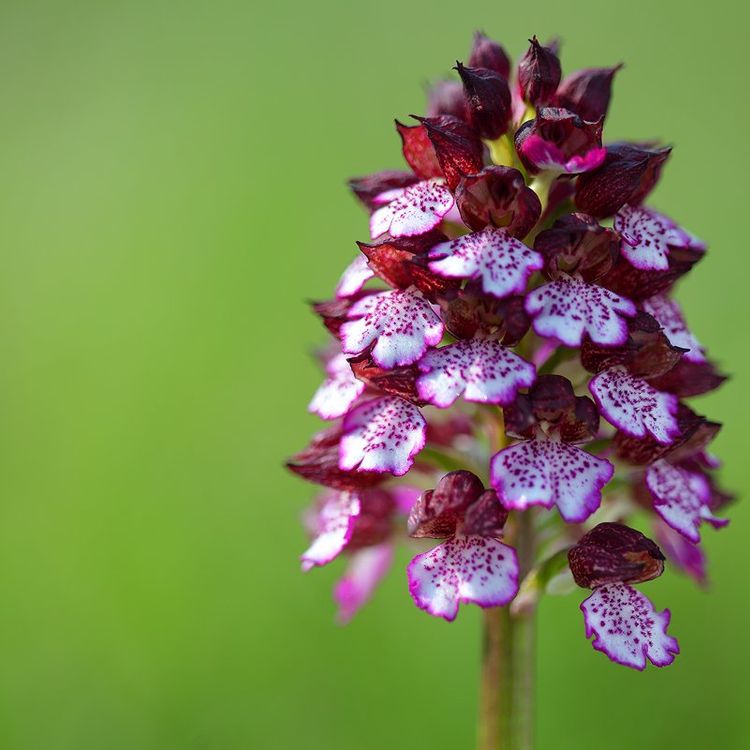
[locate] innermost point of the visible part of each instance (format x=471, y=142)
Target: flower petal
x=365, y=571
x=463, y=570
x=669, y=315
x=401, y=324
x=543, y=472
x=354, y=278
x=334, y=524
x=634, y=406
x=413, y=210
x=382, y=435
x=627, y=628
x=686, y=555
x=482, y=370
x=338, y=392
x=567, y=308
x=647, y=236
x=682, y=498
x=502, y=262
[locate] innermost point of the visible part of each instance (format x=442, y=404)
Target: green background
x=171, y=191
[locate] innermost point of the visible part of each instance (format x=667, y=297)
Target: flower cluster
x=510, y=322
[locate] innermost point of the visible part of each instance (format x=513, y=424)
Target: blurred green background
x=171, y=190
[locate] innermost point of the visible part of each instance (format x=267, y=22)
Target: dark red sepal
x=486, y=53
x=374, y=524
x=587, y=92
x=538, y=73
x=485, y=517
x=398, y=381
x=418, y=151
x=437, y=512
x=487, y=100
x=687, y=379
x=369, y=187
x=469, y=312
x=446, y=98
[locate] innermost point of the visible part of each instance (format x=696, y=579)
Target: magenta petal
x=634, y=406
x=502, y=262
x=566, y=309
x=547, y=473
x=382, y=435
x=400, y=323
x=411, y=211
x=333, y=527
x=354, y=277
x=463, y=570
x=682, y=498
x=482, y=370
x=364, y=572
x=338, y=392
x=669, y=316
x=547, y=156
x=627, y=628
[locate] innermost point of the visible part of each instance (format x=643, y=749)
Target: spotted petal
x=338, y=391
x=502, y=262
x=565, y=309
x=681, y=498
x=547, y=473
x=482, y=370
x=400, y=322
x=413, y=210
x=463, y=570
x=627, y=628
x=634, y=406
x=354, y=278
x=647, y=237
x=333, y=525
x=382, y=435
x=669, y=316
x=364, y=572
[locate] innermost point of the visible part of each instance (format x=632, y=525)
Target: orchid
x=508, y=375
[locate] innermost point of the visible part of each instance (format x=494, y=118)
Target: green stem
x=497, y=679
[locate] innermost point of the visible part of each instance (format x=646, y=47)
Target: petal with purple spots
x=364, y=572
x=401, y=324
x=502, y=262
x=634, y=406
x=411, y=211
x=647, y=236
x=463, y=570
x=382, y=435
x=338, y=391
x=332, y=525
x=681, y=498
x=354, y=277
x=547, y=473
x=482, y=370
x=566, y=309
x=669, y=316
x=627, y=628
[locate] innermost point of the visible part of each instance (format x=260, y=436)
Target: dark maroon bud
x=437, y=512
x=587, y=92
x=538, y=73
x=418, y=151
x=398, y=381
x=687, y=379
x=458, y=147
x=485, y=53
x=446, y=98
x=582, y=424
x=557, y=135
x=578, y=244
x=487, y=100
x=520, y=422
x=552, y=396
x=696, y=432
x=368, y=188
x=333, y=312
x=646, y=353
x=374, y=523
x=627, y=175
x=614, y=553
x=486, y=517
x=319, y=463
x=470, y=312
x=516, y=321
x=498, y=197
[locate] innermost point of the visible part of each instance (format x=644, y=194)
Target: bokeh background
x=171, y=191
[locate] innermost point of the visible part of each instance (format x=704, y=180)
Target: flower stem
x=495, y=698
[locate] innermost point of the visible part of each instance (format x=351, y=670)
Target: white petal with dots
x=411, y=211
x=333, y=524
x=382, y=435
x=646, y=237
x=547, y=473
x=566, y=309
x=627, y=628
x=354, y=277
x=338, y=391
x=463, y=570
x=502, y=262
